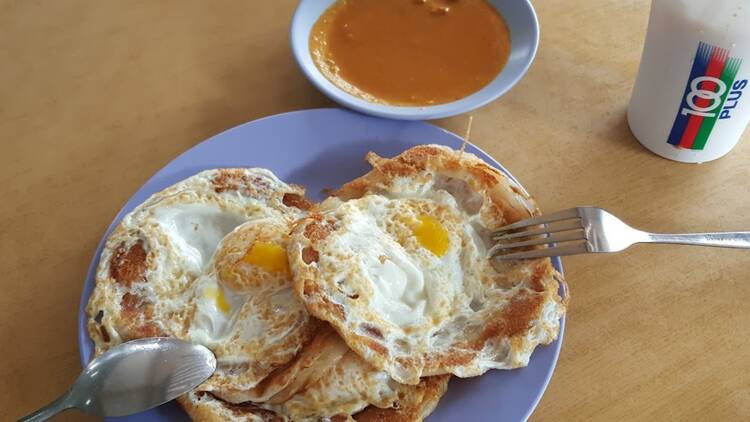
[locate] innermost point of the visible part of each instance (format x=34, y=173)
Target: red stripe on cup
x=715, y=67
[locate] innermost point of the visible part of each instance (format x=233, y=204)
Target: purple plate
x=323, y=149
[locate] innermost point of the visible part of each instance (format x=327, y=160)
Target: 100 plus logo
x=711, y=94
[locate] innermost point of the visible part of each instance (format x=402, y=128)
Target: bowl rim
x=471, y=102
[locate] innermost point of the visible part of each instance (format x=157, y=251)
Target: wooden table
x=96, y=96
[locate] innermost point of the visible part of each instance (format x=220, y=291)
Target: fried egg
x=244, y=308
x=150, y=262
x=397, y=262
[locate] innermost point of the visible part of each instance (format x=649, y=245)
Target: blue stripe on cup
x=702, y=56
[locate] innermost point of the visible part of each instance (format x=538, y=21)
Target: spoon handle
x=50, y=410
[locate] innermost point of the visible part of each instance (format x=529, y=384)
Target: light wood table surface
x=96, y=96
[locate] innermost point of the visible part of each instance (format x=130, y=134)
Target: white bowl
x=522, y=23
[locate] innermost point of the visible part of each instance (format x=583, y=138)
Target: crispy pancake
x=151, y=259
x=414, y=404
x=243, y=307
x=340, y=390
x=396, y=262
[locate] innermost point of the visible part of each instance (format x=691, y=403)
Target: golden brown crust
x=414, y=403
x=139, y=313
x=479, y=175
x=128, y=265
x=310, y=255
x=297, y=201
x=318, y=228
x=237, y=180
x=205, y=407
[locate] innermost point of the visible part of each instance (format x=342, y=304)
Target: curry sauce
x=410, y=52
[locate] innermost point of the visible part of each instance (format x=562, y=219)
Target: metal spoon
x=133, y=377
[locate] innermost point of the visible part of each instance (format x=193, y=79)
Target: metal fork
x=591, y=230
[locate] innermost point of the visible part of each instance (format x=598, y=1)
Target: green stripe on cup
x=727, y=76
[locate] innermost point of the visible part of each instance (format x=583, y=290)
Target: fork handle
x=740, y=240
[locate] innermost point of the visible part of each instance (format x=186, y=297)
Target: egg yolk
x=217, y=295
x=269, y=256
x=431, y=234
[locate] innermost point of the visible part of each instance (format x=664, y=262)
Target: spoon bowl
x=135, y=376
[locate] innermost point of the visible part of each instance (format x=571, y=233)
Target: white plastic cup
x=691, y=100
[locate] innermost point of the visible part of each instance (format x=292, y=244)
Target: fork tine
x=558, y=227
x=560, y=237
x=547, y=218
x=576, y=249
